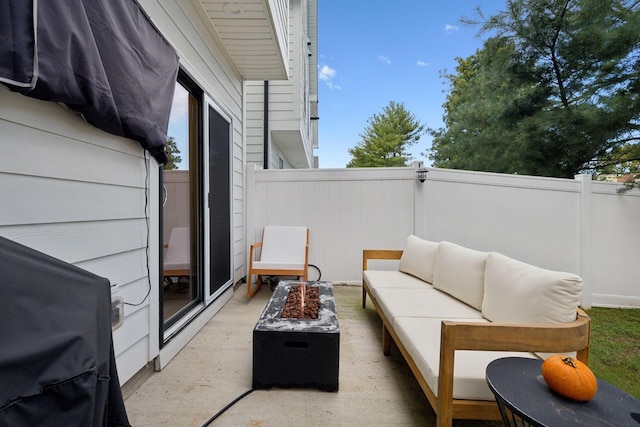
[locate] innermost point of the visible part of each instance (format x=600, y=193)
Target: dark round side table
x=525, y=399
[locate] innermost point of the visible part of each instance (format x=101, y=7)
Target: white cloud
x=450, y=28
x=384, y=59
x=423, y=64
x=326, y=74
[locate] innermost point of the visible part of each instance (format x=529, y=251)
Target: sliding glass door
x=196, y=208
x=181, y=210
x=220, y=201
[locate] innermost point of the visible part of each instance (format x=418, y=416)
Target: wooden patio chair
x=284, y=250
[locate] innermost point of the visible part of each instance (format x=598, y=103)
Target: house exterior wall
x=289, y=129
x=78, y=194
x=254, y=137
x=290, y=114
x=205, y=60
x=574, y=225
x=91, y=198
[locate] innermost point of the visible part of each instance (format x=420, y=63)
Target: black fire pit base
x=297, y=352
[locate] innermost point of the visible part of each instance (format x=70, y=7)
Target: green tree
x=624, y=162
x=173, y=154
x=556, y=91
x=491, y=98
x=386, y=139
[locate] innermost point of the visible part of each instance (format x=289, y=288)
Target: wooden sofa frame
x=552, y=338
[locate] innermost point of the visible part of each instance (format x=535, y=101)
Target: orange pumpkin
x=569, y=377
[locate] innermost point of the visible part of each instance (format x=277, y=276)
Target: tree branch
x=554, y=59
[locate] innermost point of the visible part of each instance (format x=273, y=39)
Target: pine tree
x=173, y=154
x=386, y=139
x=554, y=92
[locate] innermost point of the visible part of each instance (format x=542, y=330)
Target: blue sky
x=370, y=53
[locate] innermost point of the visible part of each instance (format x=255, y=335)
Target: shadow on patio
x=216, y=367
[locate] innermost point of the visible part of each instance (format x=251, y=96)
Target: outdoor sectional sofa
x=444, y=298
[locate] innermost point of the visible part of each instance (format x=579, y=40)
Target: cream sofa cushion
x=419, y=258
x=459, y=271
x=421, y=338
x=516, y=292
x=422, y=303
x=377, y=279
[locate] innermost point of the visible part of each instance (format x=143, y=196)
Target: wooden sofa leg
x=386, y=341
x=364, y=297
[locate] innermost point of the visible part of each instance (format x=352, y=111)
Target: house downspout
x=265, y=148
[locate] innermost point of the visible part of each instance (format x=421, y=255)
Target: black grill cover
x=57, y=366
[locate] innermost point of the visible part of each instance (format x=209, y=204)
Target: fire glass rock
x=301, y=305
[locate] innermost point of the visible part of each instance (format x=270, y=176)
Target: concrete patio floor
x=216, y=367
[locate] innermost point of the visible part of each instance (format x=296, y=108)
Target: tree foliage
x=173, y=154
x=386, y=138
x=555, y=91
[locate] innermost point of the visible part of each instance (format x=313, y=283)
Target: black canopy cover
x=57, y=366
x=102, y=58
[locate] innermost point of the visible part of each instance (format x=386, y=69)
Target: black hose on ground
x=223, y=410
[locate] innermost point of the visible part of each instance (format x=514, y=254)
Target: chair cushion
x=419, y=258
x=516, y=292
x=421, y=338
x=459, y=271
x=284, y=244
x=177, y=255
x=262, y=265
x=427, y=302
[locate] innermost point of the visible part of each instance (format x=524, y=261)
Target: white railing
x=561, y=224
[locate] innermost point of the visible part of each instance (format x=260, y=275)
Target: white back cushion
x=459, y=272
x=516, y=292
x=419, y=258
x=284, y=244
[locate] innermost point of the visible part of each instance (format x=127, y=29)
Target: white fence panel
x=574, y=225
x=345, y=210
x=535, y=220
x=612, y=253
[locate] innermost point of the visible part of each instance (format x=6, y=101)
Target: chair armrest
x=251, y=253
x=389, y=254
x=553, y=338
x=556, y=337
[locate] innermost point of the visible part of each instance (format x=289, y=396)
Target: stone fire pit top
x=327, y=320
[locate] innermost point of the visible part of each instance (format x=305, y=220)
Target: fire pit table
x=297, y=352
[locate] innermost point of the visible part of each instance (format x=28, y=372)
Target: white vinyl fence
x=578, y=225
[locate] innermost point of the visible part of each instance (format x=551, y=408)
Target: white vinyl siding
x=289, y=125
x=80, y=194
x=254, y=132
